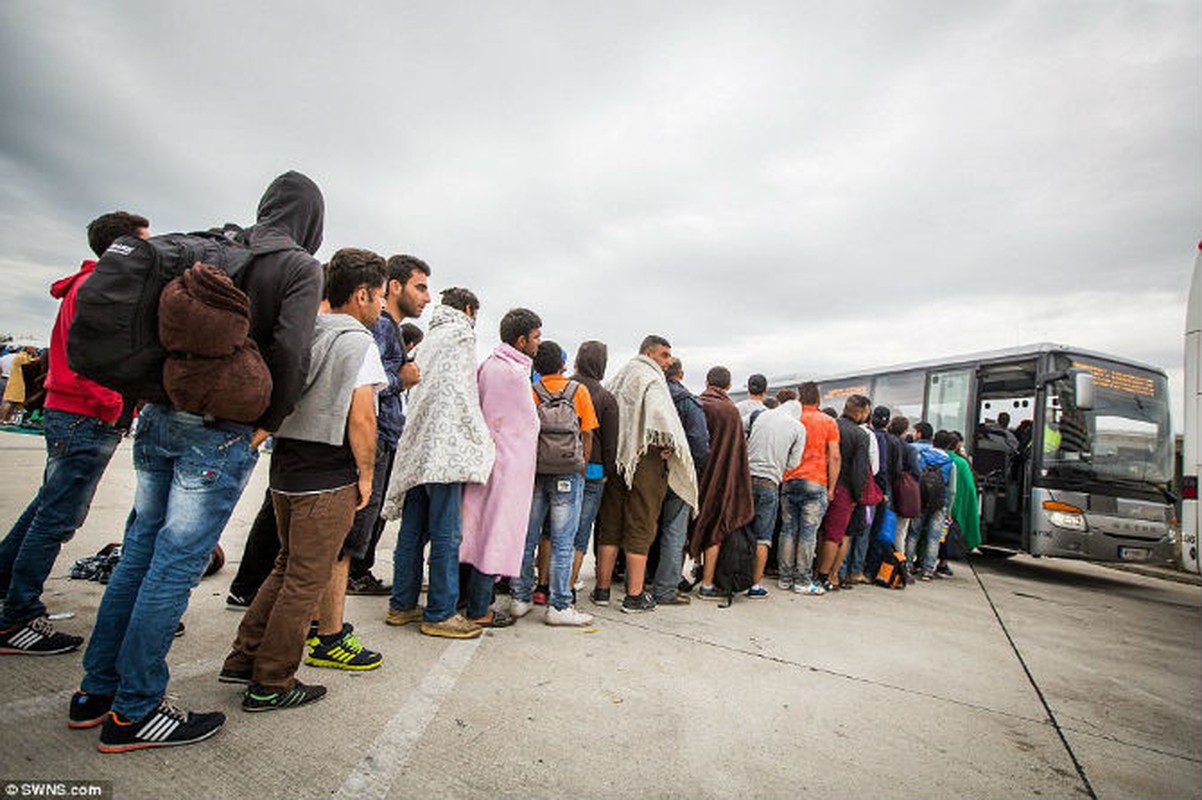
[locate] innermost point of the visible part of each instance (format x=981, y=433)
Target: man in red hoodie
x=80, y=440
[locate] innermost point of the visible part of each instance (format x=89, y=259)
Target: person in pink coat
x=496, y=513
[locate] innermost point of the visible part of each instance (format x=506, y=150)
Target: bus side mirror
x=1083, y=390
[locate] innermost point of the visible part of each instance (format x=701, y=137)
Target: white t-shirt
x=371, y=373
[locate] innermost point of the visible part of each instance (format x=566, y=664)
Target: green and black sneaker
x=259, y=698
x=341, y=651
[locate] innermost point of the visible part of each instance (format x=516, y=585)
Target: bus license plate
x=1133, y=553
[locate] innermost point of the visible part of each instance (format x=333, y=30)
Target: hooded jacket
x=776, y=442
x=591, y=360
x=67, y=390
x=340, y=343
x=284, y=286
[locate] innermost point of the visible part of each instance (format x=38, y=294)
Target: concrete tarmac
x=1014, y=678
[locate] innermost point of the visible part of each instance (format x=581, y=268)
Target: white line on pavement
x=373, y=777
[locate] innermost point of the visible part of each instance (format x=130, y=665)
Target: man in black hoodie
x=191, y=471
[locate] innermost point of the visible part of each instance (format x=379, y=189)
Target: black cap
x=880, y=416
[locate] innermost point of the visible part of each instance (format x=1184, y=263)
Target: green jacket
x=964, y=507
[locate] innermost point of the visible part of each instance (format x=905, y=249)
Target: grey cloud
x=704, y=170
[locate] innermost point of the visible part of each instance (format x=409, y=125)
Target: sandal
x=499, y=619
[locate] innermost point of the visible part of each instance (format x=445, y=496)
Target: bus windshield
x=1126, y=438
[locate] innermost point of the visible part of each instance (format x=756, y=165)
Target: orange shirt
x=582, y=400
x=821, y=430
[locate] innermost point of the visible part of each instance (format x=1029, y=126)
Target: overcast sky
x=793, y=187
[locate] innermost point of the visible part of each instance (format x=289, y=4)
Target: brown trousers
x=271, y=638
x=628, y=518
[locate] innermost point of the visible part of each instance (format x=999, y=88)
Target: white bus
x=1091, y=476
x=1191, y=452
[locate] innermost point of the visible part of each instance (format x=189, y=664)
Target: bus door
x=1000, y=445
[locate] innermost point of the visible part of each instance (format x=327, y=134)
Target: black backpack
x=934, y=492
x=560, y=449
x=736, y=563
x=114, y=336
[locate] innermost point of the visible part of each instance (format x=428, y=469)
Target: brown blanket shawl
x=726, y=503
x=202, y=313
x=213, y=366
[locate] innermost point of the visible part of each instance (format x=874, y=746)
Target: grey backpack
x=560, y=450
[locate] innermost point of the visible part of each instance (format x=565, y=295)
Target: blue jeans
x=673, y=530
x=802, y=506
x=930, y=528
x=190, y=477
x=78, y=448
x=589, y=506
x=857, y=552
x=559, y=497
x=432, y=513
x=478, y=591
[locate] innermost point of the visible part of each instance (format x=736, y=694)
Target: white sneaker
x=519, y=608
x=568, y=616
x=808, y=588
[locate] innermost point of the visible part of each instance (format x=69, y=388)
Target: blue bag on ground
x=888, y=528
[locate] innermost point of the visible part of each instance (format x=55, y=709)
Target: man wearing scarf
x=497, y=513
x=726, y=498
x=653, y=455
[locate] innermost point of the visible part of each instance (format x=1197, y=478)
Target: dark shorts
x=628, y=517
x=838, y=516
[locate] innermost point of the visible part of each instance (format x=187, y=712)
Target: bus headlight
x=1064, y=515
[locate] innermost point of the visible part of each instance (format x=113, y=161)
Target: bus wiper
x=1145, y=485
x=1073, y=473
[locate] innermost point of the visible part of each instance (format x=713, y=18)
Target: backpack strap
x=752, y=418
x=568, y=392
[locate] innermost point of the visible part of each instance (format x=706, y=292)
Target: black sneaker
x=238, y=602
x=368, y=585
x=36, y=638
x=166, y=726
x=599, y=596
x=258, y=698
x=638, y=603
x=944, y=570
x=179, y=630
x=88, y=710
x=230, y=675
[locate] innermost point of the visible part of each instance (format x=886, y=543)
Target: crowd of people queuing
x=503, y=475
